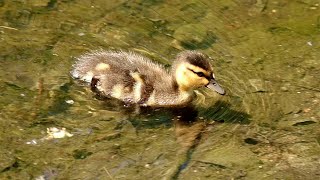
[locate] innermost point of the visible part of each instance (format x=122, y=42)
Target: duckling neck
x=183, y=86
x=185, y=92
x=182, y=81
x=185, y=89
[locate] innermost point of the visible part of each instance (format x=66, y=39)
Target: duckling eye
x=200, y=74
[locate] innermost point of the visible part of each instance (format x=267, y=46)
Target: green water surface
x=266, y=53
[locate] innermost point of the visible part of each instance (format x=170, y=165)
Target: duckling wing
x=131, y=87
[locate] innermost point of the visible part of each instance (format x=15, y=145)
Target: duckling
x=135, y=79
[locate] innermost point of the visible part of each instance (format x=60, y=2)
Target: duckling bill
x=135, y=79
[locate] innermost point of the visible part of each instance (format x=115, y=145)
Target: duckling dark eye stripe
x=192, y=70
x=207, y=77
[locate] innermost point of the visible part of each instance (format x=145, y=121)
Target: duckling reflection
x=187, y=134
x=135, y=79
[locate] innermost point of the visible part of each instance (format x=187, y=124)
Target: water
x=265, y=54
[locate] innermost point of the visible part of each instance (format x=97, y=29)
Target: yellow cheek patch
x=102, y=67
x=204, y=81
x=197, y=81
x=187, y=79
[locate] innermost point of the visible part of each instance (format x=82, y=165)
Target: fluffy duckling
x=135, y=79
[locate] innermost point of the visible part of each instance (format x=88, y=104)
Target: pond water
x=266, y=53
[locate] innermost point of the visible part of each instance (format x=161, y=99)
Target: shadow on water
x=221, y=112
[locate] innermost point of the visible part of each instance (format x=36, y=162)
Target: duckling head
x=192, y=70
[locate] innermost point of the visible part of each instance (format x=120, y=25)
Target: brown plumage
x=134, y=78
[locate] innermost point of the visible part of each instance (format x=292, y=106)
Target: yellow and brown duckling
x=135, y=79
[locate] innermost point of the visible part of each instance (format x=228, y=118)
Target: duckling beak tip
x=215, y=86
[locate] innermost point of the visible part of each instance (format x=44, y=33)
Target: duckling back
x=109, y=62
